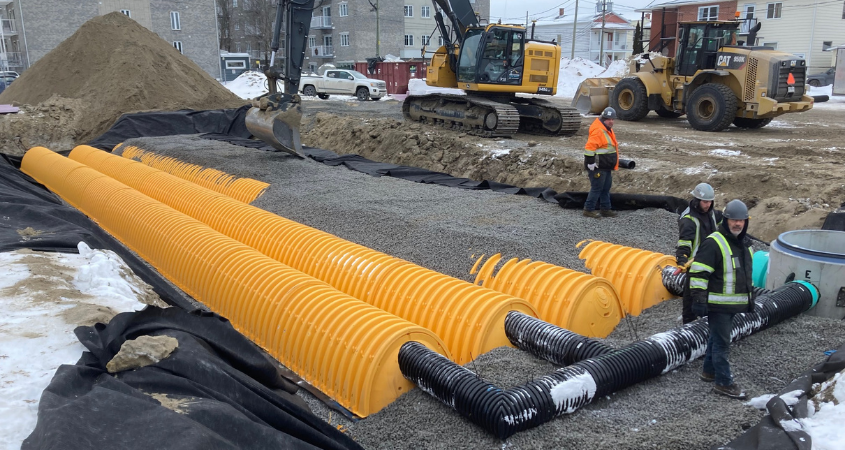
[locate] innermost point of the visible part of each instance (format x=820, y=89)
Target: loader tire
x=711, y=107
x=751, y=124
x=629, y=99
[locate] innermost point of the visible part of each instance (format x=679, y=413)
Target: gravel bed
x=446, y=229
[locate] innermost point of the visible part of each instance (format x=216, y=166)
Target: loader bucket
x=275, y=120
x=593, y=95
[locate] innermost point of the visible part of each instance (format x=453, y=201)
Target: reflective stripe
x=727, y=299
x=589, y=153
x=610, y=148
x=695, y=243
x=685, y=244
x=729, y=285
x=697, y=283
x=701, y=267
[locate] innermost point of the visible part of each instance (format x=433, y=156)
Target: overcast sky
x=513, y=11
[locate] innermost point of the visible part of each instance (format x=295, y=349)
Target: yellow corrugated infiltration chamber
x=242, y=189
x=582, y=303
x=343, y=346
x=468, y=318
x=635, y=273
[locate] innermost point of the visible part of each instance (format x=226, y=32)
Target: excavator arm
x=275, y=117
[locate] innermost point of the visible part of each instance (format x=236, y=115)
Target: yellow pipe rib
x=582, y=303
x=635, y=273
x=243, y=189
x=469, y=319
x=343, y=346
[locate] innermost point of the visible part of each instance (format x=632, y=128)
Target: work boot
x=732, y=391
x=708, y=377
x=594, y=214
x=608, y=213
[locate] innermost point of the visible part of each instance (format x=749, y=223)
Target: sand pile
x=113, y=65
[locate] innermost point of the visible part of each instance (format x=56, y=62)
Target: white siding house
x=802, y=27
x=618, y=36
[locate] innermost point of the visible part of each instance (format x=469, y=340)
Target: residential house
x=666, y=16
x=33, y=28
x=599, y=43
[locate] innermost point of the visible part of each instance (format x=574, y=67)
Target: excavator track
x=469, y=114
x=472, y=115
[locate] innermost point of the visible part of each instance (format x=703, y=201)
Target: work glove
x=591, y=167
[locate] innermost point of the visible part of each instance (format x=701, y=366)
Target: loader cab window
x=699, y=45
x=501, y=61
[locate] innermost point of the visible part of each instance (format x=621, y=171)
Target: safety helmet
x=608, y=113
x=735, y=210
x=704, y=192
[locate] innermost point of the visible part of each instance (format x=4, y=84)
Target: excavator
x=491, y=64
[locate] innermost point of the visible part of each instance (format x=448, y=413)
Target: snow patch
x=725, y=152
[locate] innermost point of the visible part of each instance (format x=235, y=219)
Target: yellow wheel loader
x=491, y=64
x=711, y=79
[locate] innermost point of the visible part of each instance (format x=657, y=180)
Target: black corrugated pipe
x=627, y=163
x=549, y=342
x=505, y=412
x=675, y=283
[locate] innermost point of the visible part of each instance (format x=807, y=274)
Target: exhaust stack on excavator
x=275, y=117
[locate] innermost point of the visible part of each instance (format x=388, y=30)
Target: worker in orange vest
x=601, y=158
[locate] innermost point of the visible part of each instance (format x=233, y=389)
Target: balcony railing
x=9, y=27
x=321, y=22
x=13, y=60
x=323, y=51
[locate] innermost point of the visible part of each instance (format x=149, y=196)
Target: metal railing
x=12, y=60
x=321, y=22
x=323, y=51
x=8, y=27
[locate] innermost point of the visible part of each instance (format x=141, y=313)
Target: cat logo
x=724, y=60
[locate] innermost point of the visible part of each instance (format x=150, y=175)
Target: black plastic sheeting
x=626, y=201
x=769, y=433
x=169, y=123
x=26, y=204
x=231, y=395
x=835, y=219
x=504, y=412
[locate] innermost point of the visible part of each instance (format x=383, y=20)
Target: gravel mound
x=446, y=229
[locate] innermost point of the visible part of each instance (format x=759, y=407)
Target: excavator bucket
x=593, y=95
x=275, y=120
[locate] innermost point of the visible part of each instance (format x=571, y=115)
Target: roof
x=674, y=3
x=567, y=20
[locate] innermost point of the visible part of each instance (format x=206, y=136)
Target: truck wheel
x=323, y=96
x=629, y=99
x=664, y=112
x=711, y=107
x=363, y=94
x=814, y=83
x=309, y=91
x=751, y=124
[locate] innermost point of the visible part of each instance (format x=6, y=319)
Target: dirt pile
x=111, y=66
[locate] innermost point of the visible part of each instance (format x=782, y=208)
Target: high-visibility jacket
x=720, y=274
x=602, y=147
x=693, y=227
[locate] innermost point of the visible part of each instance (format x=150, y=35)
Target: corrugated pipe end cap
x=813, y=290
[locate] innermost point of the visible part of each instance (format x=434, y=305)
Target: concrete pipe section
x=636, y=274
x=468, y=318
x=346, y=348
x=584, y=304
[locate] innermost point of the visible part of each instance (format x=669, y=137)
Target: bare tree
x=259, y=16
x=225, y=15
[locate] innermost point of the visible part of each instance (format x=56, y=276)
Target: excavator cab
x=494, y=56
x=699, y=44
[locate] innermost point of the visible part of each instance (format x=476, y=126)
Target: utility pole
x=601, y=35
x=378, y=38
x=526, y=20
x=574, y=29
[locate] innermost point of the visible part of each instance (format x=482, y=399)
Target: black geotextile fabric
x=626, y=201
x=222, y=392
x=57, y=227
x=770, y=434
x=168, y=123
x=835, y=219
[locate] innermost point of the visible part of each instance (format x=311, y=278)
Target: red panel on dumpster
x=395, y=74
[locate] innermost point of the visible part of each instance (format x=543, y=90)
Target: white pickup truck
x=343, y=82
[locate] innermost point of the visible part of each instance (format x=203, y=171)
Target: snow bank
x=43, y=297
x=248, y=85
x=574, y=71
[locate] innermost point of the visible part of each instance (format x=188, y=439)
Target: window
x=175, y=21
x=440, y=40
x=708, y=13
x=409, y=11
x=343, y=10
x=773, y=10
x=344, y=39
x=409, y=40
x=178, y=45
x=236, y=64
x=773, y=45
x=327, y=41
x=234, y=3
x=126, y=12
x=237, y=26
x=843, y=10
x=312, y=41
x=425, y=39
x=425, y=12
